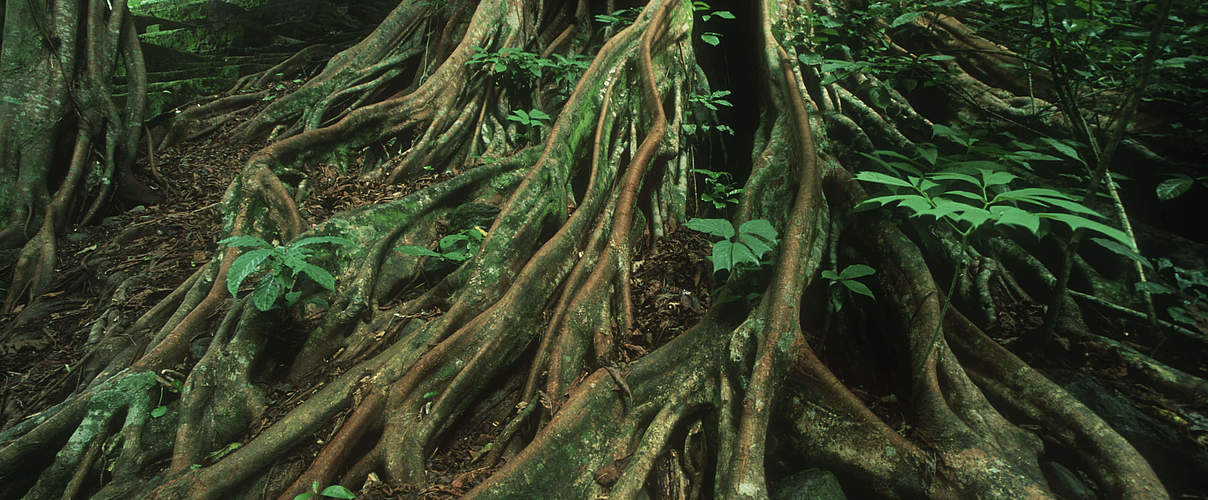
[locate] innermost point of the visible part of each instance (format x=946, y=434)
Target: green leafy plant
x=707, y=13
x=524, y=70
x=280, y=267
x=847, y=278
x=1191, y=295
x=618, y=18
x=711, y=100
x=530, y=118
x=744, y=248
x=721, y=191
x=333, y=491
x=1178, y=185
x=455, y=247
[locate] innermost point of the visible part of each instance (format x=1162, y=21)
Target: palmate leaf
x=247, y=263
x=717, y=227
x=759, y=227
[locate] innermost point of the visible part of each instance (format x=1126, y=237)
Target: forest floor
x=164, y=243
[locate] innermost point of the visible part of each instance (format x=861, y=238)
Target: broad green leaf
x=1170, y=189
x=810, y=59
x=916, y=204
x=334, y=240
x=1155, y=288
x=537, y=114
x=159, y=411
x=857, y=271
x=417, y=251
x=291, y=298
x=724, y=14
x=722, y=255
x=742, y=253
x=717, y=227
x=879, y=178
x=759, y=227
x=1072, y=206
x=1076, y=222
x=245, y=241
x=991, y=178
x=953, y=176
x=319, y=275
x=943, y=208
x=905, y=18
x=453, y=242
x=859, y=288
x=1013, y=216
x=884, y=200
x=1033, y=156
x=928, y=152
x=757, y=245
x=337, y=491
x=1062, y=147
x=1123, y=251
x=973, y=215
x=711, y=38
x=830, y=275
x=965, y=194
x=247, y=263
x=264, y=296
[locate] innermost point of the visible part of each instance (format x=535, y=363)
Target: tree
x=539, y=315
x=67, y=145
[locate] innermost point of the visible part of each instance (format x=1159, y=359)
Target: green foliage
x=946, y=197
x=721, y=191
x=523, y=70
x=848, y=279
x=1178, y=185
x=279, y=267
x=333, y=491
x=619, y=18
x=711, y=100
x=707, y=13
x=740, y=249
x=1191, y=294
x=455, y=247
x=530, y=118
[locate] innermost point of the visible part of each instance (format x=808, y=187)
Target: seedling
x=847, y=278
x=333, y=491
x=721, y=193
x=455, y=247
x=281, y=266
x=737, y=250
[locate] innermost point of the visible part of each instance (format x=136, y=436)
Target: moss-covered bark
x=406, y=349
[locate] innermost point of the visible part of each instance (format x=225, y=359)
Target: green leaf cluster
x=706, y=13
x=721, y=191
x=530, y=118
x=279, y=267
x=455, y=247
x=745, y=247
x=1190, y=293
x=847, y=278
x=967, y=202
x=333, y=491
x=524, y=70
x=614, y=20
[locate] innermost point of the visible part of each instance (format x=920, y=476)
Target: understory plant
x=720, y=191
x=455, y=247
x=848, y=278
x=737, y=250
x=279, y=268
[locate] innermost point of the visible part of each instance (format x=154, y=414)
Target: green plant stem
x=1102, y=157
